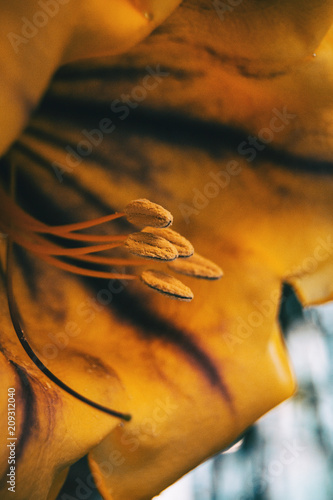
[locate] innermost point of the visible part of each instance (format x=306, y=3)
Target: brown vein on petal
x=30, y=419
x=143, y=212
x=27, y=400
x=166, y=284
x=100, y=368
x=150, y=325
x=37, y=202
x=184, y=247
x=150, y=246
x=197, y=267
x=177, y=129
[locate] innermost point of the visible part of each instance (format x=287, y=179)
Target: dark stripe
x=109, y=74
x=29, y=269
x=259, y=74
x=136, y=311
x=39, y=204
x=30, y=421
x=140, y=167
x=243, y=65
x=29, y=424
x=218, y=139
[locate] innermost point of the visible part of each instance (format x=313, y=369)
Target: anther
x=150, y=246
x=166, y=284
x=197, y=267
x=183, y=246
x=143, y=213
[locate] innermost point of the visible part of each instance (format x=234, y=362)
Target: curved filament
x=15, y=317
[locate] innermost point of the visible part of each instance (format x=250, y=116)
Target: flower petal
x=52, y=429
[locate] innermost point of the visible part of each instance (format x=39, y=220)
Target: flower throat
x=154, y=242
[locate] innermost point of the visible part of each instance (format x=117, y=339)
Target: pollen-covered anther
x=197, y=267
x=183, y=246
x=166, y=284
x=143, y=213
x=151, y=246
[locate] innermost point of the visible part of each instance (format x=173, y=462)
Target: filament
x=14, y=314
x=60, y=230
x=27, y=232
x=27, y=222
x=86, y=272
x=53, y=249
x=23, y=229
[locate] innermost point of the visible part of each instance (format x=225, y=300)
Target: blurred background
x=288, y=453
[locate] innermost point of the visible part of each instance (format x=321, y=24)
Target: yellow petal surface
x=52, y=429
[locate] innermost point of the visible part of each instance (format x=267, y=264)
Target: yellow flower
x=228, y=128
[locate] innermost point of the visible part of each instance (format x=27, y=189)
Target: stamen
x=93, y=238
x=43, y=247
x=67, y=228
x=15, y=317
x=183, y=246
x=150, y=246
x=11, y=212
x=18, y=217
x=86, y=272
x=143, y=213
x=166, y=284
x=110, y=261
x=197, y=267
x=155, y=242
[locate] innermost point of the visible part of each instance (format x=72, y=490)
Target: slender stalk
x=15, y=317
x=16, y=321
x=86, y=272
